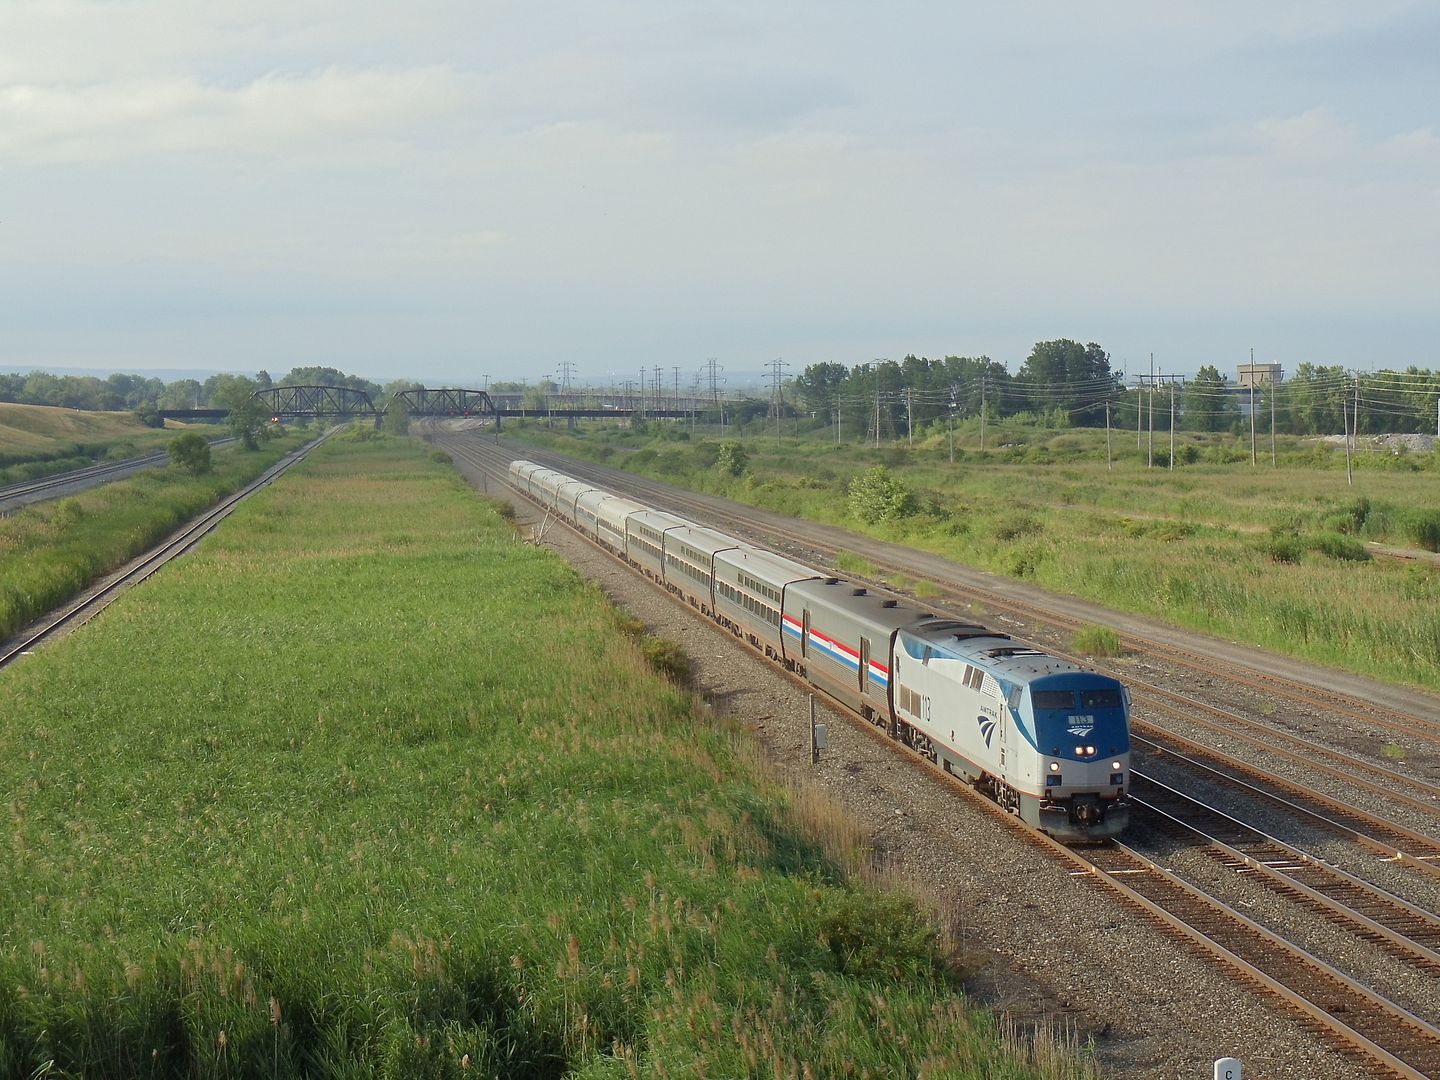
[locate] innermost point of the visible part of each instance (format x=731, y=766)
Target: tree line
x=121, y=392
x=1063, y=383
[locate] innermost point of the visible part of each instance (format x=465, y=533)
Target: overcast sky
x=449, y=189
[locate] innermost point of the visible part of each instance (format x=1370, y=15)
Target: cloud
x=332, y=112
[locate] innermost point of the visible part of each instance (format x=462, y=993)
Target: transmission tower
x=777, y=399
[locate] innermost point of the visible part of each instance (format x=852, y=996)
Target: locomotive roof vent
x=888, y=603
x=857, y=592
x=832, y=581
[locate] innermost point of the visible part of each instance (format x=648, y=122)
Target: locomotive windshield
x=1081, y=717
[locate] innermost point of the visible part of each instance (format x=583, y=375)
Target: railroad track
x=1326, y=1000
x=139, y=569
x=15, y=496
x=1409, y=933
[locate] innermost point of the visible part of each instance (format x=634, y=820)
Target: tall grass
x=366, y=787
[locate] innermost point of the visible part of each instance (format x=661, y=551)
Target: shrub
x=1017, y=525
x=1336, y=546
x=878, y=935
x=668, y=659
x=1423, y=527
x=190, y=452
x=1349, y=518
x=732, y=460
x=1021, y=564
x=1283, y=548
x=440, y=457
x=68, y=512
x=1096, y=641
x=876, y=495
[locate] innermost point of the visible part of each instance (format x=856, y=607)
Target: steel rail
x=1386, y=838
x=1378, y=1030
x=1381, y=1030
x=1409, y=933
x=1425, y=797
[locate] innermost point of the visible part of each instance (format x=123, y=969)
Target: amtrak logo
x=1081, y=730
x=987, y=727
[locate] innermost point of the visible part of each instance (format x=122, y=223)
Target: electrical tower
x=777, y=398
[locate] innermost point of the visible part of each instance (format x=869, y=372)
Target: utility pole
x=837, y=418
x=910, y=417
x=952, y=425
x=1152, y=380
x=565, y=368
x=1172, y=420
x=982, y=410
x=1150, y=451
x=1109, y=460
x=1345, y=416
x=1253, y=461
x=1139, y=413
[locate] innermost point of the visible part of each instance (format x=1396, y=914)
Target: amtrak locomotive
x=1047, y=739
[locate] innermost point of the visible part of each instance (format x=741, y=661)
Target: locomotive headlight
x=1114, y=766
x=1054, y=766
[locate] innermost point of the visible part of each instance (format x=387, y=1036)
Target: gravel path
x=1046, y=946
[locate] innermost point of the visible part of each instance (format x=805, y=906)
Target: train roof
x=877, y=609
x=659, y=520
x=773, y=569
x=616, y=509
x=701, y=538
x=991, y=650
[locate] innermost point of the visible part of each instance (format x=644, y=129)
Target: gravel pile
x=1045, y=946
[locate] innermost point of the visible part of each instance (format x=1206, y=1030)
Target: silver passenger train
x=1046, y=738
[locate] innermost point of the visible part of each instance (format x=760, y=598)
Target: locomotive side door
x=1003, y=738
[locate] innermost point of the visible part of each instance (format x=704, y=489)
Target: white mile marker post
x=1227, y=1069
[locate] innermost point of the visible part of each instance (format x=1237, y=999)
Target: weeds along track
x=138, y=569
x=15, y=496
x=1333, y=1004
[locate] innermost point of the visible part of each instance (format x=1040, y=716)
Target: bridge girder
x=448, y=401
x=317, y=401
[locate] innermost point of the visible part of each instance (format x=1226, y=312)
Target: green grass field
x=1277, y=557
x=367, y=787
